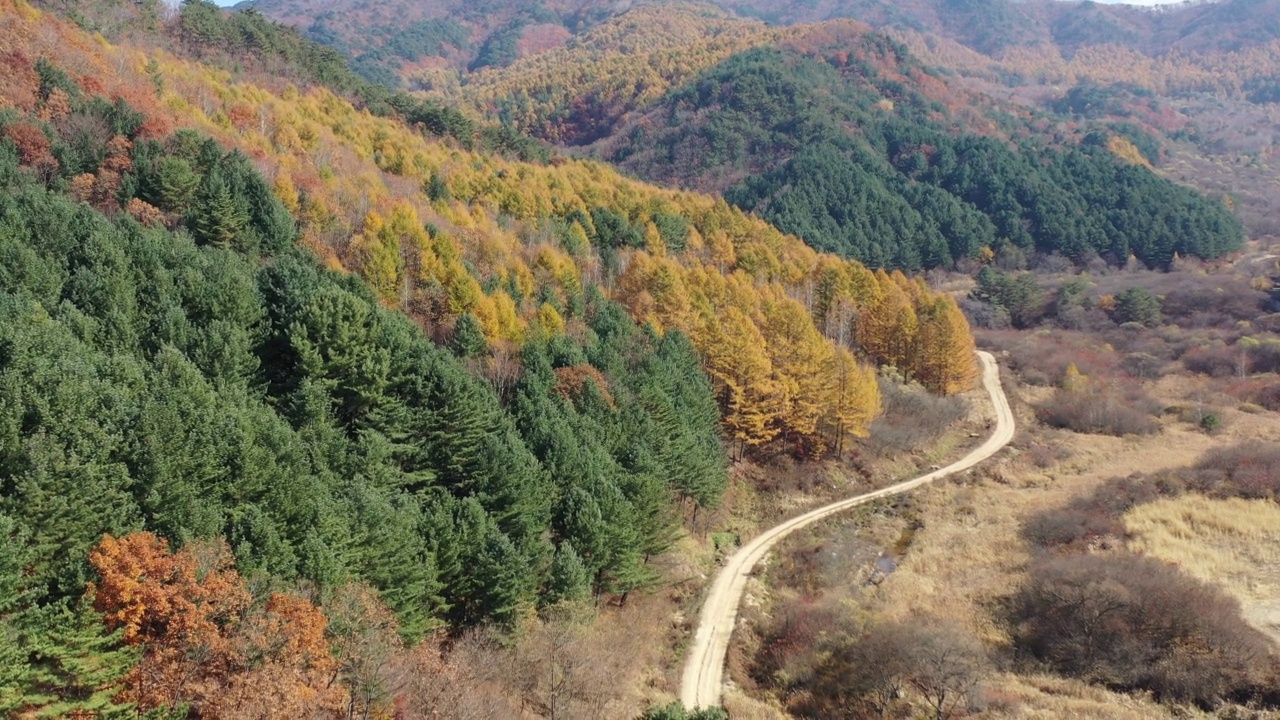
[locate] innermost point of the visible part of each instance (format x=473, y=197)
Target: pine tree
x=175, y=183
x=15, y=598
x=569, y=580
x=217, y=218
x=77, y=666
x=468, y=337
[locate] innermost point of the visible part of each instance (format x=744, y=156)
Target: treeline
x=169, y=363
x=838, y=149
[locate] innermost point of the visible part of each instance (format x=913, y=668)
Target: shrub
x=912, y=418
x=866, y=675
x=676, y=711
x=1093, y=516
x=1142, y=366
x=1107, y=412
x=1269, y=396
x=1250, y=470
x=1217, y=360
x=1132, y=622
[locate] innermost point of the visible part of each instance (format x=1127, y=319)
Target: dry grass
x=744, y=707
x=1233, y=543
x=1049, y=697
x=968, y=552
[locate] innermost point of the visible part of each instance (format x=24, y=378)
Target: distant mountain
x=395, y=38
x=993, y=26
x=392, y=38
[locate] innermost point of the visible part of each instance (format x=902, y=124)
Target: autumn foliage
x=206, y=642
x=441, y=231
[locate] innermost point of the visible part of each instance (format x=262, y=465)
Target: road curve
x=702, y=684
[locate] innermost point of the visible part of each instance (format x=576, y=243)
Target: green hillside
x=839, y=145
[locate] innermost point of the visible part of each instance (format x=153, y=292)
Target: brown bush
x=1105, y=411
x=1250, y=470
x=1132, y=622
x=912, y=419
x=1268, y=396
x=1094, y=516
x=867, y=675
x=1217, y=360
x=1211, y=300
x=789, y=642
x=1042, y=358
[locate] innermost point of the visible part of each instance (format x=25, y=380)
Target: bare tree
x=946, y=665
x=869, y=674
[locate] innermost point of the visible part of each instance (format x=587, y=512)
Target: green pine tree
x=77, y=667
x=217, y=217
x=569, y=580
x=468, y=337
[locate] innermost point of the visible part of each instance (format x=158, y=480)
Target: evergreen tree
x=1137, y=304
x=569, y=580
x=468, y=337
x=217, y=217
x=77, y=666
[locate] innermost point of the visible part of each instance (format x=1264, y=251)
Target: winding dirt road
x=702, y=684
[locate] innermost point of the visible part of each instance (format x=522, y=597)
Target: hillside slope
x=504, y=391
x=399, y=37
x=840, y=136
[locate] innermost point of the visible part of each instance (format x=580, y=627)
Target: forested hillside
x=835, y=137
x=579, y=92
x=270, y=365
x=171, y=364
x=397, y=41
x=840, y=135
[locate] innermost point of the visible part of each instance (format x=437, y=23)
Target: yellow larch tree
x=799, y=354
x=944, y=361
x=852, y=399
x=739, y=366
x=887, y=328
x=377, y=249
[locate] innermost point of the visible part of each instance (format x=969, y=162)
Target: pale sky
x=226, y=3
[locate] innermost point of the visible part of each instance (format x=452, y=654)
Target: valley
x=654, y=360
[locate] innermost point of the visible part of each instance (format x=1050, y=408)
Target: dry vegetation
x=1232, y=542
x=1182, y=508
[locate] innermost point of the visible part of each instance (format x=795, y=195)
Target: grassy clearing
x=966, y=553
x=1232, y=542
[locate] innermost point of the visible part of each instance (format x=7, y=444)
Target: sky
x=227, y=3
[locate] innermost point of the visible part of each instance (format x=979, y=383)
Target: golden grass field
x=1233, y=543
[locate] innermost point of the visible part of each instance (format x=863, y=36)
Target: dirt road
x=702, y=683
